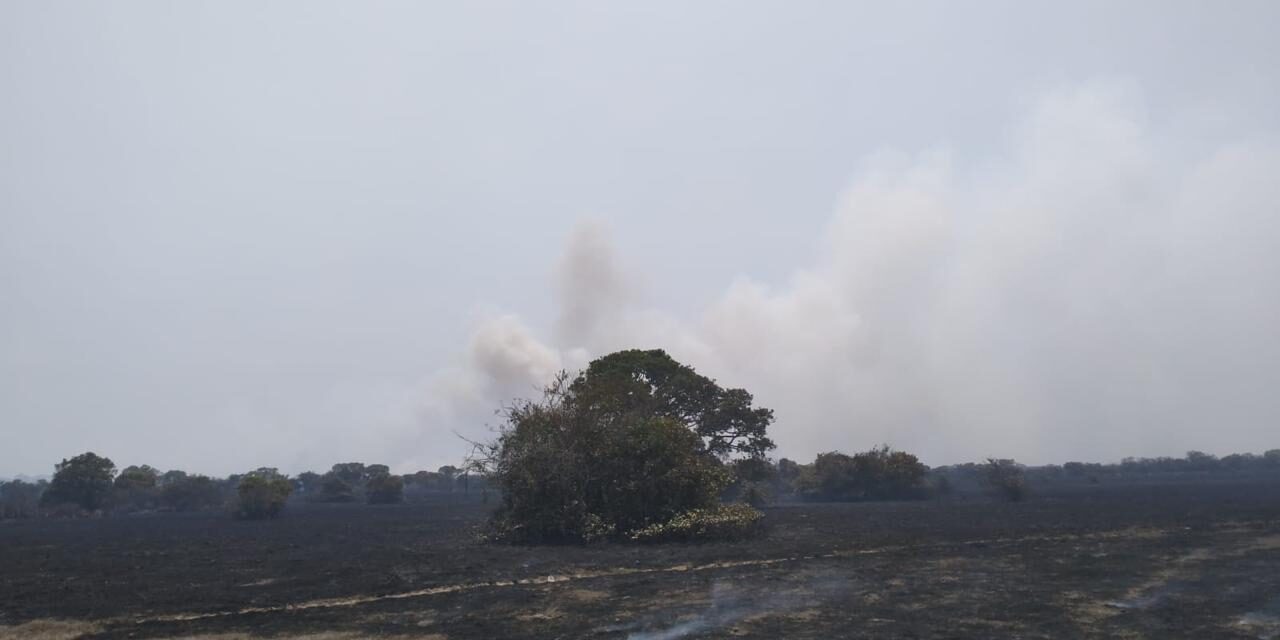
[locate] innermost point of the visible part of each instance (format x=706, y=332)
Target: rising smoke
x=1090, y=294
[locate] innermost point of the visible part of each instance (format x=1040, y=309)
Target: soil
x=1140, y=561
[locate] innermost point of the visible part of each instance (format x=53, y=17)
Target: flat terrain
x=1179, y=561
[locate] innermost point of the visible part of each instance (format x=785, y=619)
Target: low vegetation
x=878, y=474
x=723, y=522
x=384, y=488
x=1005, y=479
x=191, y=493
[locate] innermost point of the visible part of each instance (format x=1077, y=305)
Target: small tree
x=334, y=489
x=190, y=493
x=752, y=481
x=135, y=488
x=878, y=474
x=84, y=480
x=20, y=499
x=308, y=483
x=448, y=474
x=262, y=494
x=1272, y=458
x=352, y=473
x=1005, y=478
x=384, y=488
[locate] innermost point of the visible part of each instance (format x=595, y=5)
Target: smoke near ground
x=1087, y=294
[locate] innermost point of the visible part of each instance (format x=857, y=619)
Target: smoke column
x=1080, y=297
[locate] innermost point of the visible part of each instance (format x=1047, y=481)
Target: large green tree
x=634, y=441
x=653, y=384
x=84, y=480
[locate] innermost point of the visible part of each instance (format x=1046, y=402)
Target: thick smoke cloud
x=1095, y=292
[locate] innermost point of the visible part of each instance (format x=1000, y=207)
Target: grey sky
x=296, y=233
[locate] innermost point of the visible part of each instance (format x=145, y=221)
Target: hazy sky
x=297, y=233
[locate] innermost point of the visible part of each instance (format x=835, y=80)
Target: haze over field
x=235, y=235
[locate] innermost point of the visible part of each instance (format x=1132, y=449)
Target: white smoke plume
x=1085, y=296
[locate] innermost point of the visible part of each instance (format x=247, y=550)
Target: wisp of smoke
x=731, y=604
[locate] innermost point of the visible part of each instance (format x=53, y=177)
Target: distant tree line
x=885, y=474
x=90, y=484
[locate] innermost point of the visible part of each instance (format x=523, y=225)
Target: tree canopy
x=653, y=384
x=634, y=441
x=84, y=480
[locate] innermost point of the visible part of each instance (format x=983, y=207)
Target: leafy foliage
x=19, y=499
x=84, y=480
x=1005, y=479
x=652, y=383
x=135, y=488
x=878, y=474
x=262, y=494
x=190, y=493
x=719, y=523
x=334, y=489
x=137, y=477
x=634, y=441
x=384, y=488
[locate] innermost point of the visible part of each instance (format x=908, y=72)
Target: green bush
x=190, y=493
x=721, y=523
x=84, y=481
x=636, y=440
x=335, y=489
x=878, y=474
x=262, y=495
x=384, y=489
x=20, y=499
x=135, y=489
x=1005, y=479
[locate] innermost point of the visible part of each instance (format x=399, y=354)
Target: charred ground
x=1139, y=560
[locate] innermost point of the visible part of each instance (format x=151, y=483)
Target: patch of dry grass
x=49, y=630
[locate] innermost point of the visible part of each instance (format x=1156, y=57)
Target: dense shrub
x=135, y=488
x=334, y=489
x=1005, y=479
x=84, y=481
x=190, y=493
x=720, y=523
x=384, y=489
x=635, y=441
x=878, y=474
x=262, y=495
x=566, y=478
x=20, y=499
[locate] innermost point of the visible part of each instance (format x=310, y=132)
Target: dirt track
x=1095, y=562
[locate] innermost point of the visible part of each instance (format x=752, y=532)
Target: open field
x=1198, y=561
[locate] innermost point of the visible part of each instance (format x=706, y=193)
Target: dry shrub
x=715, y=524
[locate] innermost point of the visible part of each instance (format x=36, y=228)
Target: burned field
x=1185, y=560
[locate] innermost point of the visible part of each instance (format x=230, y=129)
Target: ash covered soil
x=1172, y=561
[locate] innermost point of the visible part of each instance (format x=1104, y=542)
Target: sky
x=241, y=234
